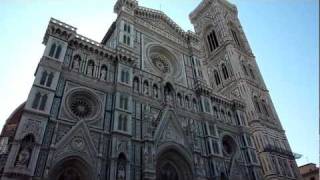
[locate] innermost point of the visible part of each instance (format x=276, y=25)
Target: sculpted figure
x=23, y=157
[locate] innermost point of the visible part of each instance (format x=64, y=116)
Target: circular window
x=83, y=104
x=229, y=145
x=160, y=62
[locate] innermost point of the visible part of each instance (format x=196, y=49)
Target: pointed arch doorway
x=172, y=165
x=72, y=168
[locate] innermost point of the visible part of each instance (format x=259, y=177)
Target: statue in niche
x=136, y=85
x=90, y=69
x=121, y=172
x=155, y=92
x=148, y=155
x=145, y=88
x=76, y=63
x=103, y=73
x=23, y=157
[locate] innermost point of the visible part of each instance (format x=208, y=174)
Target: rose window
x=80, y=108
x=160, y=62
x=82, y=104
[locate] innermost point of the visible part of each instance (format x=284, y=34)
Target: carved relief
x=32, y=126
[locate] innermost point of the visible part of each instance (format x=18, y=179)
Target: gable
x=170, y=130
x=77, y=142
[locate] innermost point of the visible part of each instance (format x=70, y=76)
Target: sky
x=282, y=34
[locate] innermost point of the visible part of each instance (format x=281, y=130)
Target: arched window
x=52, y=49
x=57, y=55
x=43, y=102
x=43, y=77
x=224, y=71
x=49, y=81
x=36, y=101
x=145, y=87
x=217, y=77
x=212, y=40
x=245, y=70
x=235, y=37
x=136, y=84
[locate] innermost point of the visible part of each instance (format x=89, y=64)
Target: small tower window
x=43, y=77
x=245, y=70
x=43, y=102
x=39, y=101
x=49, y=81
x=235, y=37
x=124, y=102
x=122, y=122
x=36, y=101
x=126, y=34
x=57, y=55
x=125, y=76
x=52, y=50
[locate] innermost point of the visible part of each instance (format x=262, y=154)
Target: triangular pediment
x=170, y=129
x=160, y=20
x=77, y=142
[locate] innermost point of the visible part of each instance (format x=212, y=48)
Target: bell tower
x=232, y=71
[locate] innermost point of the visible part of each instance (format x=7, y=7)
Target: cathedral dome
x=13, y=121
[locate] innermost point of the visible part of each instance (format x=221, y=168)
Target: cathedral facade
x=150, y=101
